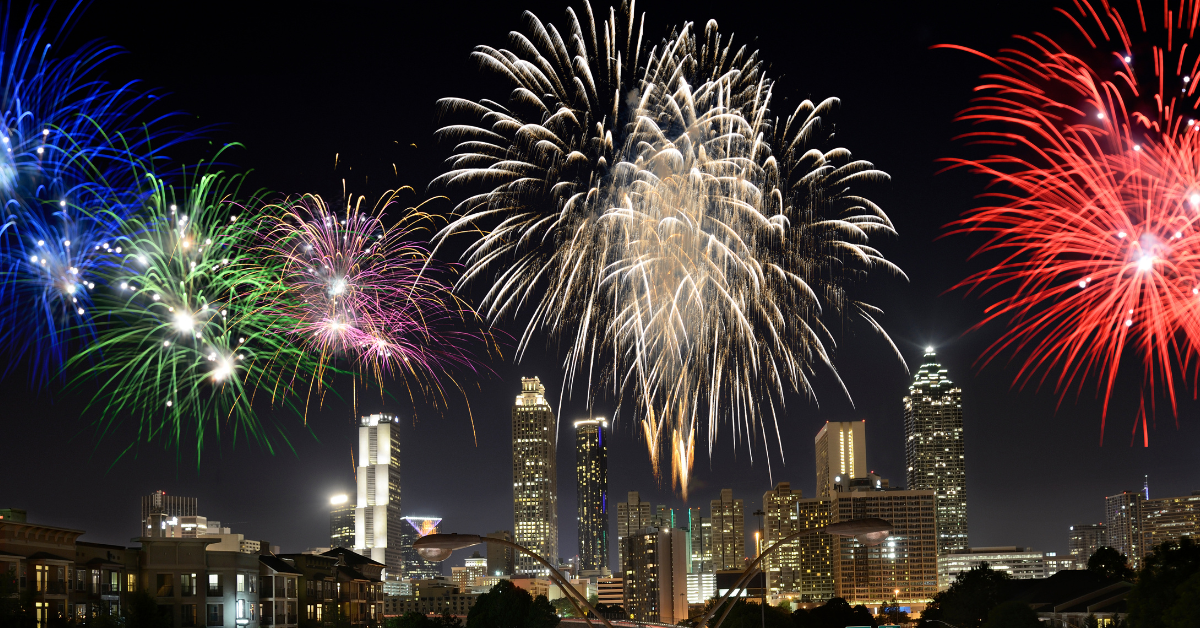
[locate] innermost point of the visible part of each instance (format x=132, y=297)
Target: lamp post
x=870, y=531
x=439, y=547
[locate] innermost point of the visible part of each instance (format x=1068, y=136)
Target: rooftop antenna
x=1146, y=487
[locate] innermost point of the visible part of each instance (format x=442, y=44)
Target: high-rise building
x=1170, y=519
x=535, y=484
x=341, y=521
x=378, y=527
x=700, y=542
x=1085, y=539
x=782, y=520
x=632, y=517
x=1123, y=525
x=591, y=480
x=664, y=517
x=904, y=566
x=656, y=575
x=729, y=531
x=416, y=567
x=841, y=455
x=501, y=560
x=474, y=568
x=814, y=579
x=168, y=506
x=933, y=447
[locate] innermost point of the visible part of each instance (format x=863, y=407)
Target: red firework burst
x=1094, y=200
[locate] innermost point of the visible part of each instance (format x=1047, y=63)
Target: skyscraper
x=591, y=478
x=729, y=531
x=656, y=575
x=700, y=531
x=632, y=517
x=378, y=528
x=1085, y=539
x=535, y=484
x=814, y=581
x=417, y=567
x=934, y=453
x=1170, y=519
x=841, y=455
x=500, y=558
x=341, y=521
x=1123, y=525
x=904, y=566
x=782, y=520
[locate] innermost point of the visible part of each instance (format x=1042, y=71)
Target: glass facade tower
x=591, y=476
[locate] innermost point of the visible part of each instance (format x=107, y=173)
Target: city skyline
x=1066, y=440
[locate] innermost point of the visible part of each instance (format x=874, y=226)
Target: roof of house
x=278, y=564
x=350, y=557
x=1066, y=589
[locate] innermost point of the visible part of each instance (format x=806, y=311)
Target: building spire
x=1146, y=487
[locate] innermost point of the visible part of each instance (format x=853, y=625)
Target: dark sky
x=298, y=86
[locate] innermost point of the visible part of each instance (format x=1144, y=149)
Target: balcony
x=216, y=591
x=56, y=587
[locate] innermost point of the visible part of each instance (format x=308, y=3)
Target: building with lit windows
x=1123, y=525
x=1020, y=563
x=341, y=521
x=813, y=579
x=474, y=568
x=934, y=452
x=591, y=482
x=1170, y=519
x=535, y=483
x=633, y=516
x=165, y=507
x=1085, y=539
x=501, y=559
x=655, y=572
x=841, y=455
x=417, y=567
x=728, y=517
x=378, y=527
x=700, y=537
x=782, y=520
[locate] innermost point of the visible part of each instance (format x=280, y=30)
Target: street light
x=870, y=531
x=439, y=547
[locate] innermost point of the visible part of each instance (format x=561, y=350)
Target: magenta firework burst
x=368, y=294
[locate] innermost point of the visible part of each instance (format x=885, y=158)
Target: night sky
x=299, y=86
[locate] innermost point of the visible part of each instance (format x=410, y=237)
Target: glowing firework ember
x=1096, y=199
x=184, y=344
x=355, y=289
x=650, y=220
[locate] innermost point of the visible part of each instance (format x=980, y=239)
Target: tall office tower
x=632, y=517
x=341, y=521
x=1085, y=539
x=1170, y=519
x=159, y=503
x=417, y=567
x=729, y=531
x=378, y=528
x=501, y=560
x=656, y=575
x=814, y=579
x=782, y=520
x=841, y=455
x=535, y=484
x=700, y=546
x=933, y=447
x=1123, y=525
x=904, y=566
x=591, y=479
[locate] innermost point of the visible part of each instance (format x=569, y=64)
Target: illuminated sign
x=424, y=525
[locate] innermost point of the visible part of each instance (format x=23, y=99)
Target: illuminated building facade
x=473, y=569
x=341, y=521
x=632, y=516
x=841, y=455
x=700, y=546
x=158, y=509
x=378, y=528
x=813, y=578
x=1123, y=525
x=933, y=447
x=591, y=481
x=1170, y=519
x=1085, y=539
x=655, y=572
x=416, y=567
x=535, y=484
x=782, y=520
x=728, y=531
x=1020, y=563
x=906, y=562
x=501, y=560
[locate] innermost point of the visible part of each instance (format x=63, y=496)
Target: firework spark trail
x=649, y=221
x=70, y=144
x=183, y=343
x=1094, y=202
x=355, y=289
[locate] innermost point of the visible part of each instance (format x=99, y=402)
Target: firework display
x=1094, y=205
x=645, y=206
x=67, y=180
x=356, y=289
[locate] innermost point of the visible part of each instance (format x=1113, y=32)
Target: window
x=187, y=614
x=319, y=607
x=187, y=584
x=241, y=582
x=216, y=614
x=114, y=581
x=265, y=581
x=214, y=585
x=166, y=585
x=253, y=580
x=80, y=579
x=291, y=586
x=241, y=609
x=130, y=582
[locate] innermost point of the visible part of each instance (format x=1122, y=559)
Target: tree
x=507, y=606
x=1012, y=615
x=1110, y=564
x=970, y=598
x=746, y=614
x=16, y=608
x=836, y=613
x=1165, y=584
x=563, y=607
x=891, y=614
